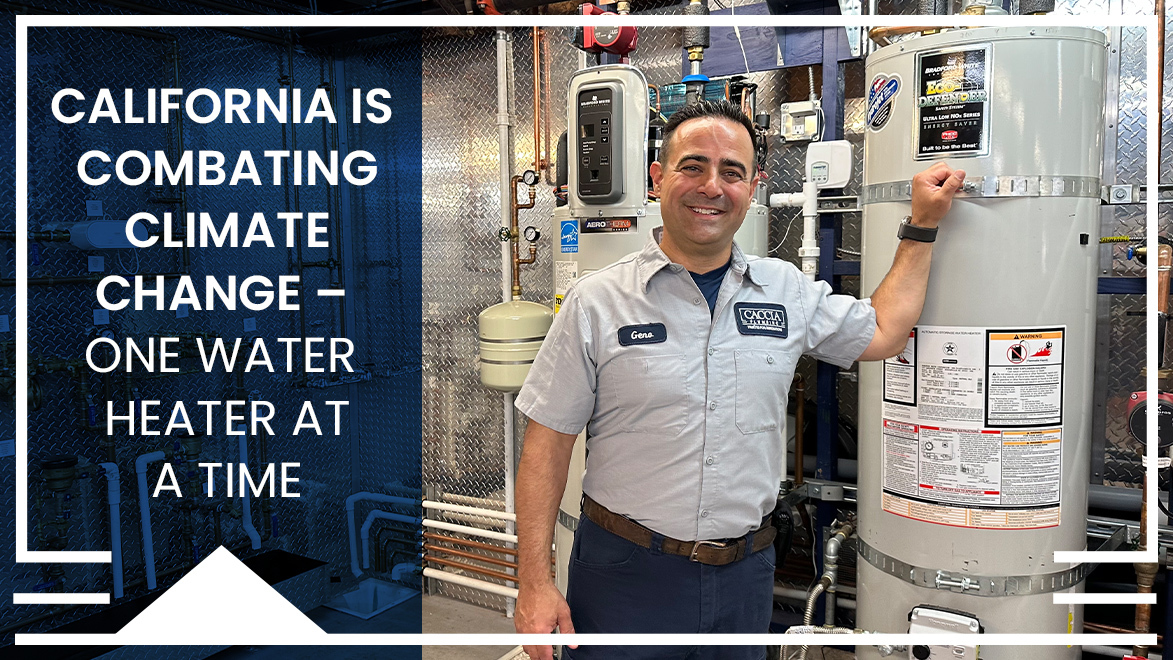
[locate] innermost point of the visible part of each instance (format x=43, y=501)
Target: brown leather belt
x=712, y=553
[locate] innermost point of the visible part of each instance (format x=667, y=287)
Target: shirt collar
x=652, y=260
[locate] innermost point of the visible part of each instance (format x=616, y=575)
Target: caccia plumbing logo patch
x=881, y=95
x=766, y=319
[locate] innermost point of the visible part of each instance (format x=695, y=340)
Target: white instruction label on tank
x=565, y=273
x=972, y=427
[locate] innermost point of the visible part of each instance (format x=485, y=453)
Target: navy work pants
x=615, y=586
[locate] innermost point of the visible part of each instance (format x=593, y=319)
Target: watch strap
x=912, y=232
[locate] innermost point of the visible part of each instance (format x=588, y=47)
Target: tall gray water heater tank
x=974, y=451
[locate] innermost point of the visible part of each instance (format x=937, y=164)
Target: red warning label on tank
x=977, y=442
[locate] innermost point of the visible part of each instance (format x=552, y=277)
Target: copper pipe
x=537, y=37
x=549, y=159
x=515, y=232
x=472, y=544
x=483, y=571
x=1113, y=630
x=800, y=394
x=470, y=555
x=880, y=34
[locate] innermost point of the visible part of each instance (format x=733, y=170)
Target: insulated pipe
x=374, y=497
x=366, y=535
x=114, y=498
x=246, y=518
x=482, y=502
x=473, y=583
x=144, y=512
x=472, y=531
x=487, y=513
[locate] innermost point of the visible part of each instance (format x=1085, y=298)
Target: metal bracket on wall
x=1127, y=193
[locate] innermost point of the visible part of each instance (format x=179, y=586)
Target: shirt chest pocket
x=763, y=379
x=649, y=393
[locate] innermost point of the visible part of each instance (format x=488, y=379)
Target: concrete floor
x=448, y=615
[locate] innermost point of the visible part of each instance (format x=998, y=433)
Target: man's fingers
x=565, y=625
x=952, y=184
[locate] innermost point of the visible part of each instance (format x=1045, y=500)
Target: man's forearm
x=541, y=478
x=899, y=299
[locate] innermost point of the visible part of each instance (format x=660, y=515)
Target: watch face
x=607, y=35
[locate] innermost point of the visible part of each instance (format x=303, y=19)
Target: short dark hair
x=705, y=108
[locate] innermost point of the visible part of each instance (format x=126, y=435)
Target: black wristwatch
x=912, y=232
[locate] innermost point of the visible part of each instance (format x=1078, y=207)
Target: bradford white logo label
x=949, y=135
x=881, y=95
x=766, y=319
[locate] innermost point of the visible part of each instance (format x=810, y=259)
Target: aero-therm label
x=973, y=427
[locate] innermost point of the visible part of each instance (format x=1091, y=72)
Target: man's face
x=705, y=182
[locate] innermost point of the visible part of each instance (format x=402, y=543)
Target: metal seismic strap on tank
x=993, y=186
x=993, y=586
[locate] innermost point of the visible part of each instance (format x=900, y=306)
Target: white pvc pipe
x=487, y=513
x=144, y=512
x=350, y=530
x=246, y=519
x=510, y=432
x=809, y=252
x=366, y=534
x=463, y=581
x=113, y=499
x=472, y=531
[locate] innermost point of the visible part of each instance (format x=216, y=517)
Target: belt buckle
x=696, y=546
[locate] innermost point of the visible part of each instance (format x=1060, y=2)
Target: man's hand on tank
x=932, y=193
x=541, y=609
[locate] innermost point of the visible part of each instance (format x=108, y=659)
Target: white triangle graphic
x=221, y=601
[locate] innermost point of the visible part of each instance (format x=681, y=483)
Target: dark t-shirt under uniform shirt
x=710, y=284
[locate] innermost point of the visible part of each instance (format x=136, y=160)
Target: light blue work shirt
x=686, y=414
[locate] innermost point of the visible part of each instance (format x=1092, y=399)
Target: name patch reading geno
x=766, y=319
x=648, y=333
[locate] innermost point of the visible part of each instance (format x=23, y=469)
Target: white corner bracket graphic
x=219, y=602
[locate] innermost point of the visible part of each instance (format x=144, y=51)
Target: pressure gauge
x=530, y=177
x=531, y=234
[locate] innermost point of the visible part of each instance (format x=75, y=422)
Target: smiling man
x=678, y=361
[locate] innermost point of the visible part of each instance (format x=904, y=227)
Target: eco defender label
x=972, y=427
x=953, y=102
